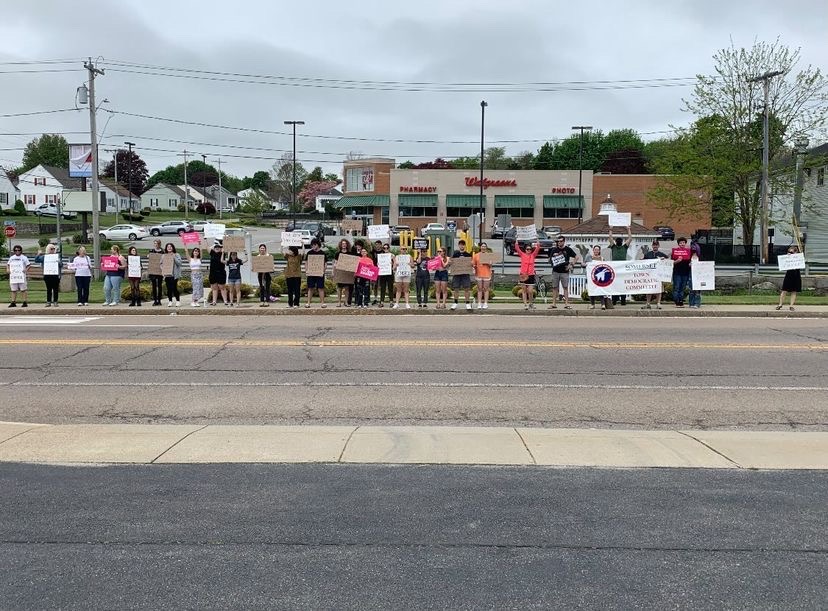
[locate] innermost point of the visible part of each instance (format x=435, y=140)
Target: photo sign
x=787, y=262
x=290, y=238
x=315, y=265
x=109, y=264
x=50, y=265
x=214, y=231
x=133, y=266
x=607, y=278
x=262, y=264
x=619, y=219
x=526, y=232
x=17, y=272
x=154, y=263
x=347, y=263
x=461, y=266
x=379, y=232
x=384, y=262
x=704, y=275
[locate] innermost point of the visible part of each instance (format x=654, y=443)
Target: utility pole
x=96, y=193
x=483, y=106
x=186, y=190
x=129, y=174
x=582, y=128
x=117, y=195
x=220, y=192
x=293, y=185
x=763, y=224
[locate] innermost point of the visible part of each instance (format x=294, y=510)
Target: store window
x=418, y=211
x=520, y=213
x=562, y=206
x=359, y=180
x=820, y=177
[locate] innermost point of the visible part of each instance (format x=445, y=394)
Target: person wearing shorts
x=483, y=275
x=441, y=280
x=19, y=287
x=562, y=259
x=234, y=280
x=526, y=275
x=461, y=281
x=316, y=283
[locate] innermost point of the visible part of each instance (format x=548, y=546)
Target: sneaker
x=177, y=303
x=647, y=307
x=194, y=304
x=49, y=304
x=592, y=307
x=407, y=306
x=105, y=303
x=24, y=305
x=454, y=306
x=55, y=304
x=86, y=304
x=12, y=305
x=468, y=306
x=485, y=306
x=80, y=304
x=394, y=306
x=169, y=304
x=479, y=306
x=531, y=306
x=526, y=307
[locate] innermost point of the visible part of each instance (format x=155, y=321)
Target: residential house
x=244, y=194
x=330, y=197
x=45, y=185
x=225, y=202
x=117, y=193
x=8, y=191
x=196, y=195
x=162, y=197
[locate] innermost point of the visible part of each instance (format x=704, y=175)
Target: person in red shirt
x=527, y=273
x=681, y=256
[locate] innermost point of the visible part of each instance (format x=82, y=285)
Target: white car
x=199, y=225
x=51, y=210
x=431, y=227
x=124, y=232
x=307, y=236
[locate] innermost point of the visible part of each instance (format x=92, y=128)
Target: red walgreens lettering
x=473, y=181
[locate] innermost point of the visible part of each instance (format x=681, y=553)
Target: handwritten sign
x=215, y=231
x=403, y=265
x=109, y=264
x=262, y=264
x=489, y=258
x=154, y=264
x=379, y=232
x=434, y=264
x=50, y=265
x=290, y=238
x=347, y=263
x=795, y=261
x=167, y=264
x=664, y=270
x=704, y=275
x=526, y=232
x=384, y=262
x=133, y=267
x=190, y=237
x=315, y=265
x=233, y=243
x=340, y=276
x=17, y=272
x=351, y=225
x=369, y=271
x=461, y=266
x=619, y=219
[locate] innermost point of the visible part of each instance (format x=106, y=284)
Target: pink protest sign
x=434, y=264
x=367, y=271
x=191, y=237
x=109, y=264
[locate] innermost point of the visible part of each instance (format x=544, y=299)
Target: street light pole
x=293, y=182
x=483, y=106
x=220, y=192
x=93, y=139
x=582, y=129
x=129, y=179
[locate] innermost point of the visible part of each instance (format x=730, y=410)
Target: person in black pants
x=422, y=279
x=156, y=280
x=293, y=276
x=265, y=280
x=52, y=281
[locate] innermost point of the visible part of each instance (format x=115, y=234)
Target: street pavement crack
x=712, y=449
x=177, y=442
x=532, y=456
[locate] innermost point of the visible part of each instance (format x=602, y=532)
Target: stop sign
x=10, y=231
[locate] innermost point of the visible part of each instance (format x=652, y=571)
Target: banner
x=214, y=231
x=50, y=265
x=526, y=232
x=262, y=264
x=607, y=278
x=367, y=271
x=17, y=272
x=133, y=267
x=619, y=219
x=379, y=232
x=347, y=263
x=664, y=270
x=109, y=264
x=154, y=264
x=190, y=237
x=704, y=275
x=315, y=265
x=290, y=238
x=787, y=262
x=233, y=243
x=384, y=260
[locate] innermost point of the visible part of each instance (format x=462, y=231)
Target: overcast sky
x=428, y=41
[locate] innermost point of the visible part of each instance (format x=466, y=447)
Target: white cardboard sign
x=619, y=219
x=133, y=266
x=50, y=265
x=664, y=270
x=607, y=278
x=291, y=239
x=796, y=261
x=379, y=232
x=17, y=272
x=384, y=263
x=526, y=232
x=704, y=275
x=214, y=231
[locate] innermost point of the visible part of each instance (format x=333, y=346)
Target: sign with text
x=233, y=243
x=526, y=232
x=704, y=275
x=369, y=271
x=461, y=266
x=664, y=270
x=786, y=262
x=50, y=265
x=133, y=266
x=607, y=278
x=262, y=264
x=290, y=238
x=347, y=263
x=154, y=263
x=351, y=225
x=403, y=269
x=434, y=264
x=340, y=276
x=214, y=231
x=384, y=262
x=419, y=244
x=109, y=264
x=167, y=264
x=489, y=258
x=315, y=265
x=379, y=232
x=190, y=237
x=17, y=272
x=619, y=219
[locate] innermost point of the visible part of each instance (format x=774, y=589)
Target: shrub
x=144, y=289
x=146, y=211
x=492, y=293
x=43, y=242
x=517, y=290
x=132, y=216
x=432, y=292
x=182, y=208
x=79, y=238
x=206, y=208
x=279, y=285
x=330, y=287
x=20, y=207
x=106, y=246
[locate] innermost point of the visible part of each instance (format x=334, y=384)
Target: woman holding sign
x=483, y=275
x=792, y=283
x=51, y=273
x=217, y=274
x=402, y=277
x=82, y=265
x=234, y=280
x=422, y=279
x=293, y=275
x=156, y=280
x=526, y=275
x=343, y=290
x=134, y=276
x=171, y=267
x=196, y=277
x=440, y=267
x=114, y=275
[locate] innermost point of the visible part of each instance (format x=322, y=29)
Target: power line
x=39, y=112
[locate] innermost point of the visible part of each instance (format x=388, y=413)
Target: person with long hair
x=265, y=279
x=402, y=277
x=52, y=281
x=483, y=275
x=156, y=280
x=217, y=274
x=112, y=281
x=386, y=281
x=293, y=276
x=606, y=302
x=343, y=289
x=791, y=283
x=134, y=277
x=441, y=279
x=526, y=275
x=196, y=277
x=82, y=265
x=171, y=280
x=234, y=265
x=422, y=278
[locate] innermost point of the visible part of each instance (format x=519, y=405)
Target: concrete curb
x=600, y=448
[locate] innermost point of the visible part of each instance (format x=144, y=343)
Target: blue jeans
x=112, y=289
x=680, y=282
x=695, y=299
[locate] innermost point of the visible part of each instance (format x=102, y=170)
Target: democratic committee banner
x=606, y=278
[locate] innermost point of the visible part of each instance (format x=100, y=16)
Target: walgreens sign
x=488, y=182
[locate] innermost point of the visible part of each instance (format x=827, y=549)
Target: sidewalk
x=178, y=444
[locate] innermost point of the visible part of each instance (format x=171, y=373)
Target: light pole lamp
x=293, y=182
x=582, y=129
x=483, y=106
x=129, y=177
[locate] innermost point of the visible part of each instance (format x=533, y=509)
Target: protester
x=422, y=280
x=171, y=279
x=606, y=302
x=217, y=274
x=619, y=249
x=112, y=281
x=196, y=277
x=234, y=280
x=460, y=281
x=386, y=281
x=526, y=275
x=82, y=265
x=343, y=289
x=402, y=277
x=156, y=280
x=681, y=256
x=695, y=255
x=265, y=280
x=316, y=283
x=562, y=259
x=441, y=279
x=134, y=280
x=654, y=254
x=293, y=276
x=791, y=283
x=52, y=281
x=376, y=250
x=362, y=287
x=483, y=276
x=19, y=259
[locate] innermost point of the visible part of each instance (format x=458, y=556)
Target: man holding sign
x=619, y=248
x=461, y=271
x=562, y=259
x=657, y=255
x=17, y=267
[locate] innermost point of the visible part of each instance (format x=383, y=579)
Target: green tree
x=255, y=203
x=129, y=164
x=282, y=180
x=544, y=159
x=48, y=149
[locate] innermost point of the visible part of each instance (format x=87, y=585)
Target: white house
x=8, y=192
x=329, y=197
x=115, y=191
x=246, y=193
x=162, y=197
x=196, y=195
x=45, y=185
x=226, y=201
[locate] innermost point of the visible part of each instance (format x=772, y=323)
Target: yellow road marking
x=400, y=343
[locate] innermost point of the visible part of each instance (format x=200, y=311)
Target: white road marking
x=46, y=320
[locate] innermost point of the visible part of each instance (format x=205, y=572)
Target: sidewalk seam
x=711, y=448
x=347, y=441
x=176, y=443
x=21, y=433
x=528, y=451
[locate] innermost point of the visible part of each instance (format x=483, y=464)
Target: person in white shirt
x=82, y=265
x=17, y=260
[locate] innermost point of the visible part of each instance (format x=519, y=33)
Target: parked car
x=200, y=225
x=666, y=232
x=498, y=230
x=320, y=230
x=307, y=236
x=51, y=210
x=170, y=228
x=431, y=227
x=551, y=230
x=546, y=242
x=124, y=232
x=395, y=232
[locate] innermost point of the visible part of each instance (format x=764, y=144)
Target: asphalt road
x=751, y=373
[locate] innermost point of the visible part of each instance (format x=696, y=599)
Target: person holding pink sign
x=440, y=266
x=114, y=276
x=362, y=286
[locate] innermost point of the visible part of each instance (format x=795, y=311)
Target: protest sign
x=619, y=219
x=664, y=270
x=419, y=243
x=50, y=265
x=262, y=264
x=214, y=231
x=367, y=271
x=351, y=225
x=489, y=258
x=347, y=263
x=786, y=262
x=154, y=263
x=704, y=275
x=607, y=278
x=315, y=265
x=340, y=276
x=379, y=232
x=384, y=263
x=434, y=264
x=290, y=238
x=526, y=232
x=109, y=264
x=403, y=266
x=17, y=272
x=233, y=243
x=190, y=237
x=461, y=266
x=167, y=264
x=133, y=266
